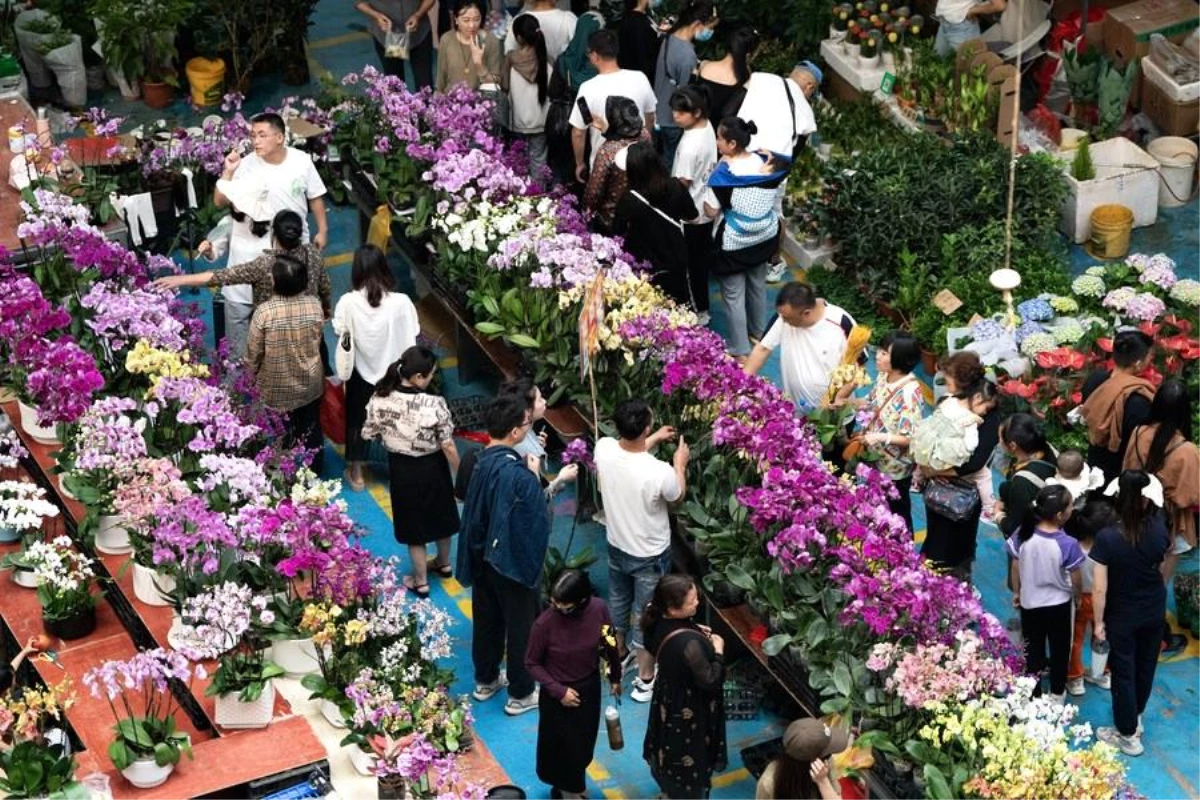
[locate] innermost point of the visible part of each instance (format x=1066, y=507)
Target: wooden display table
x=13, y=111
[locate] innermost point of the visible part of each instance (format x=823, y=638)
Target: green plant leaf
x=521, y=340
x=119, y=754
x=489, y=328
x=776, y=644
x=936, y=786
x=739, y=577
x=841, y=679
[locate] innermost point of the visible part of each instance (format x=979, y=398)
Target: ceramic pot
x=111, y=536
x=150, y=586
x=145, y=774
x=332, y=714
x=233, y=713
x=362, y=761
x=24, y=578
x=9, y=535
x=76, y=627
x=298, y=657
x=45, y=434
x=157, y=95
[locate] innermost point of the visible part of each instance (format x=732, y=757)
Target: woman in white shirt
x=695, y=159
x=558, y=26
x=526, y=78
x=383, y=324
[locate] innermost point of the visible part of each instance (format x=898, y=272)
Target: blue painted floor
x=1169, y=768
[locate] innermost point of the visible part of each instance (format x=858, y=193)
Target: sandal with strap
x=421, y=590
x=442, y=570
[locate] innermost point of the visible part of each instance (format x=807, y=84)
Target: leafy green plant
x=1081, y=167
x=35, y=769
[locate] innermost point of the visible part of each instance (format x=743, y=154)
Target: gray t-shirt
x=398, y=11
x=674, y=68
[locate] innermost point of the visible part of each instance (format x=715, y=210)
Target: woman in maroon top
x=565, y=648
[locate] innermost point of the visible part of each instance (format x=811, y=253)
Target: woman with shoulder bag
x=685, y=737
x=525, y=77
x=893, y=407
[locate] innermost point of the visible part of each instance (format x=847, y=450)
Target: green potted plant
x=33, y=758
x=64, y=587
x=138, y=42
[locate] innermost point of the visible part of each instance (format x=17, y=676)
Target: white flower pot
x=332, y=714
x=233, y=713
x=25, y=578
x=149, y=586
x=867, y=62
x=64, y=491
x=145, y=774
x=362, y=761
x=46, y=434
x=111, y=536
x=298, y=657
x=182, y=636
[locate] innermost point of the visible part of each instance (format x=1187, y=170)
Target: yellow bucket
x=206, y=77
x=1111, y=227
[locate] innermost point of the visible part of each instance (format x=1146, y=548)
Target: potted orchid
x=150, y=484
x=12, y=450
x=33, y=753
x=227, y=622
x=64, y=587
x=23, y=506
x=109, y=437
x=147, y=745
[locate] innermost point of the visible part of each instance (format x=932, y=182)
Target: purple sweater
x=565, y=650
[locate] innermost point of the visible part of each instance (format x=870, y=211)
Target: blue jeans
x=952, y=34
x=744, y=295
x=631, y=582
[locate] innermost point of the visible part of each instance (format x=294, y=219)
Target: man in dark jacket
x=501, y=548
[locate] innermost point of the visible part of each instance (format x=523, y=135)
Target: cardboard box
x=1174, y=116
x=1127, y=29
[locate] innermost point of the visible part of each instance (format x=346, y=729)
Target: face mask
x=704, y=35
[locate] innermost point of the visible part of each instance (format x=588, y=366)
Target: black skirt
x=567, y=737
x=422, y=491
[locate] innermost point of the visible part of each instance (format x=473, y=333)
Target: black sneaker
x=1173, y=645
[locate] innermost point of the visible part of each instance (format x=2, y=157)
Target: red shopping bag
x=333, y=412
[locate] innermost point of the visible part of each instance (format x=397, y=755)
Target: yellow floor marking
x=452, y=587
x=464, y=606
x=919, y=536
x=379, y=493
x=449, y=362
x=597, y=772
x=334, y=41
x=338, y=260
x=613, y=794
x=730, y=778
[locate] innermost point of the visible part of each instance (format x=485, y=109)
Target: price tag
x=974, y=320
x=947, y=302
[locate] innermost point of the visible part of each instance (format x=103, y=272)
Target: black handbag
x=953, y=498
x=558, y=117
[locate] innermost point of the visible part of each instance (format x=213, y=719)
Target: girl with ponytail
x=1046, y=579
x=418, y=433
x=1129, y=600
x=526, y=78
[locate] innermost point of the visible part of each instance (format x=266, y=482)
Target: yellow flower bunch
x=626, y=300
x=321, y=620
x=26, y=715
x=845, y=375
x=144, y=359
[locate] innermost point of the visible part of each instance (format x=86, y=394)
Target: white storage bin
x=1125, y=174
x=851, y=70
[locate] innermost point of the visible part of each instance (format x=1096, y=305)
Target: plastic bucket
x=1111, y=226
x=1177, y=165
x=206, y=77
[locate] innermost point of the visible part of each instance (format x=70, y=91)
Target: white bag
x=395, y=44
x=40, y=76
x=344, y=357
x=67, y=65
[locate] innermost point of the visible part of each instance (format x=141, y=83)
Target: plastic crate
x=1125, y=174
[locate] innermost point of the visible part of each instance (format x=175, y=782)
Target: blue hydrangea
x=1035, y=310
x=1027, y=329
x=986, y=330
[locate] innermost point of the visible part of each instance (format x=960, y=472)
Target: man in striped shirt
x=284, y=353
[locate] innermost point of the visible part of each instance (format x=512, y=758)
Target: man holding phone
x=292, y=184
x=610, y=81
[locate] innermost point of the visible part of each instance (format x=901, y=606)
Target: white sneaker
x=777, y=271
x=630, y=661
x=1075, y=687
x=1141, y=730
x=521, y=705
x=1103, y=682
x=642, y=690
x=486, y=691
x=1129, y=745
x=1058, y=699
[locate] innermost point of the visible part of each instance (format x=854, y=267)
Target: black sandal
x=442, y=570
x=421, y=590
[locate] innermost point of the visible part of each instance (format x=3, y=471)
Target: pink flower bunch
x=242, y=480
x=61, y=380
x=209, y=410
x=109, y=438
x=189, y=536
x=473, y=176
x=149, y=669
x=295, y=528
x=25, y=313
x=221, y=616
x=12, y=450
x=148, y=484
x=930, y=673
x=579, y=451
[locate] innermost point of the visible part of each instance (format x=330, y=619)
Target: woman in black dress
x=650, y=218
x=685, y=736
x=418, y=432
x=562, y=656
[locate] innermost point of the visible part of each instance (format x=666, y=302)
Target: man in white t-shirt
x=558, y=28
x=292, y=184
x=637, y=490
x=779, y=109
x=612, y=81
x=811, y=335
